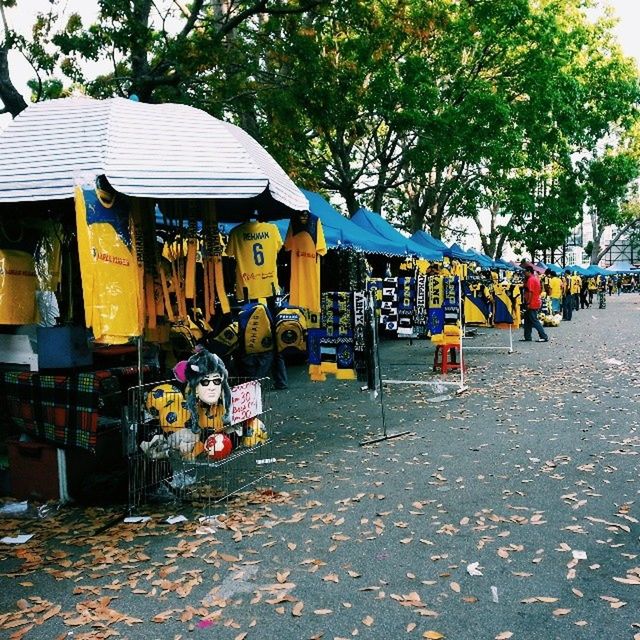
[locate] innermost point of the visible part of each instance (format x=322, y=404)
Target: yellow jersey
x=108, y=266
x=255, y=247
x=555, y=287
x=306, y=243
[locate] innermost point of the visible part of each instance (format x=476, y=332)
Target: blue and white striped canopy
x=155, y=151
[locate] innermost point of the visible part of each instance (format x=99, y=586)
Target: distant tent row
x=592, y=270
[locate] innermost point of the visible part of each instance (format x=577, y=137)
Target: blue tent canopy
x=341, y=231
x=503, y=264
x=482, y=260
x=374, y=223
x=623, y=267
x=458, y=253
x=427, y=240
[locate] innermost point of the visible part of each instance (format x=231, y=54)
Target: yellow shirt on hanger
x=255, y=247
x=108, y=266
x=306, y=243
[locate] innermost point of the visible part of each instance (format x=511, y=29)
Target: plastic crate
x=63, y=348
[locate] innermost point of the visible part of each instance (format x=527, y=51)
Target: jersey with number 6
x=255, y=247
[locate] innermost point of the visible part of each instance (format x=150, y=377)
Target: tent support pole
x=385, y=435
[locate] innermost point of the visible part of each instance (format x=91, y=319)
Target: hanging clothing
x=108, y=266
x=477, y=309
x=17, y=288
x=435, y=313
x=305, y=240
x=503, y=305
x=255, y=247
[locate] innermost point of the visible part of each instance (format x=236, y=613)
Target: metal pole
x=461, y=340
x=385, y=435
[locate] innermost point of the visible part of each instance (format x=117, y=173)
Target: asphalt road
x=509, y=511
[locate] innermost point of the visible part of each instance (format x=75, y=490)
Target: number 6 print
x=258, y=255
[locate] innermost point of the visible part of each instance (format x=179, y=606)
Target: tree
x=12, y=99
x=333, y=95
x=610, y=190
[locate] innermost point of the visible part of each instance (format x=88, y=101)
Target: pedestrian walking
x=567, y=296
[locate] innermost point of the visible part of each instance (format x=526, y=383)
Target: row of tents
x=369, y=232
x=591, y=270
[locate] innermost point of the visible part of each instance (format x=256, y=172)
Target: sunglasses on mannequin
x=217, y=381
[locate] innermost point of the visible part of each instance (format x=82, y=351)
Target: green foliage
x=428, y=109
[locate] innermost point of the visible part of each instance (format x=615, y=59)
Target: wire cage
x=170, y=463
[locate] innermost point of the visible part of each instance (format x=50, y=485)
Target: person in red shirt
x=532, y=304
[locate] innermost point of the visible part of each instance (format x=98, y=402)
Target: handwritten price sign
x=246, y=401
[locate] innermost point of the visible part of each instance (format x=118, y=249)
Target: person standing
x=584, y=294
x=554, y=290
x=532, y=304
x=567, y=296
x=576, y=285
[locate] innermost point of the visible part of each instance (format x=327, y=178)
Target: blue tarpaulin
x=374, y=223
x=427, y=240
x=458, y=253
x=341, y=231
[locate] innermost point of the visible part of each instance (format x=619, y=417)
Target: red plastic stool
x=447, y=359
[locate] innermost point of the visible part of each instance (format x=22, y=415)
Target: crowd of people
x=565, y=293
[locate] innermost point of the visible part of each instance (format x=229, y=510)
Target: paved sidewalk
x=509, y=512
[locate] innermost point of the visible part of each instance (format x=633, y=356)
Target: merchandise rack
x=166, y=476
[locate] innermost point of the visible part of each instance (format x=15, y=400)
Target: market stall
x=80, y=180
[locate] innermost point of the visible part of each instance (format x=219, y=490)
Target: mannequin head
x=209, y=389
x=207, y=383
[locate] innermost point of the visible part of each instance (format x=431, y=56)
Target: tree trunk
x=12, y=99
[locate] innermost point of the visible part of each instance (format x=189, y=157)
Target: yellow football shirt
x=255, y=247
x=108, y=267
x=306, y=246
x=555, y=287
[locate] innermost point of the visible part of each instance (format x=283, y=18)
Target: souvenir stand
x=490, y=298
x=86, y=176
